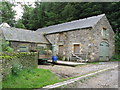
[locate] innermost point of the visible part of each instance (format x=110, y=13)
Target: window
x=61, y=37
x=104, y=33
x=23, y=49
x=61, y=49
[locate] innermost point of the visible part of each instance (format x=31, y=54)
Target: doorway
x=76, y=48
x=104, y=51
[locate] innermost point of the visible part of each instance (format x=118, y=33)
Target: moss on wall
x=12, y=63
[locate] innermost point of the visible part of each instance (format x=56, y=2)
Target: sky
x=19, y=9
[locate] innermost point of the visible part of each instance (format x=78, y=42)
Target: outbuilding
x=89, y=39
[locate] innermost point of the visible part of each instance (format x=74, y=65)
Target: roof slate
x=77, y=24
x=15, y=34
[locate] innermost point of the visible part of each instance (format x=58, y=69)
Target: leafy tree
x=20, y=24
x=7, y=13
x=51, y=13
x=26, y=16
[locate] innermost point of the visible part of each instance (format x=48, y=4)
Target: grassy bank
x=35, y=78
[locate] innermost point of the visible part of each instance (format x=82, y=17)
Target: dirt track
x=107, y=79
x=67, y=71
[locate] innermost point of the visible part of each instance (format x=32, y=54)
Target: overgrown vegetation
x=6, y=47
x=116, y=57
x=13, y=63
x=32, y=78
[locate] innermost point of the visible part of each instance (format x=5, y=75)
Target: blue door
x=104, y=51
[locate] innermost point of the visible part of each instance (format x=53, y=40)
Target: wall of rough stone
x=18, y=61
x=97, y=30
x=82, y=37
x=16, y=45
x=31, y=46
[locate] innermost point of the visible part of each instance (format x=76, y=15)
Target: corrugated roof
x=15, y=34
x=77, y=24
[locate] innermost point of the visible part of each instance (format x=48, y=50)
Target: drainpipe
x=54, y=57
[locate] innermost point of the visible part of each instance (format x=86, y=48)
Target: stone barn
x=89, y=39
x=23, y=40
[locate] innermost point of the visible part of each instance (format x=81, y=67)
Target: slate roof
x=77, y=24
x=15, y=34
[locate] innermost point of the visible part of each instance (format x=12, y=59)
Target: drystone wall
x=15, y=62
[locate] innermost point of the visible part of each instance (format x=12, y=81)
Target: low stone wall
x=14, y=62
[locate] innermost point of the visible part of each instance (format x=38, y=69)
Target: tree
x=51, y=13
x=19, y=24
x=7, y=13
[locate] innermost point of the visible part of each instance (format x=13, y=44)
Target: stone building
x=23, y=40
x=91, y=38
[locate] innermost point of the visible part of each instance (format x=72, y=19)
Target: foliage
x=51, y=13
x=16, y=68
x=117, y=42
x=6, y=47
x=7, y=13
x=13, y=63
x=20, y=24
x=115, y=58
x=32, y=78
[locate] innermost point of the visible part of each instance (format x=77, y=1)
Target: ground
x=107, y=79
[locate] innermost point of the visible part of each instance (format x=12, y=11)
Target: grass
x=97, y=62
x=35, y=78
x=115, y=58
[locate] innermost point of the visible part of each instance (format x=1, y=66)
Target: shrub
x=6, y=47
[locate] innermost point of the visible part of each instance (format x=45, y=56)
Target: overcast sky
x=19, y=9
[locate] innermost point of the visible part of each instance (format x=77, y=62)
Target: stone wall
x=97, y=30
x=16, y=45
x=82, y=37
x=18, y=61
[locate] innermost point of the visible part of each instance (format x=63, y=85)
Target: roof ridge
x=72, y=21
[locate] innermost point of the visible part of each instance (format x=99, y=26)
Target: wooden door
x=61, y=49
x=104, y=51
x=76, y=49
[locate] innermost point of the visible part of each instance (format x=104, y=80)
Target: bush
x=6, y=47
x=117, y=43
x=16, y=68
x=116, y=58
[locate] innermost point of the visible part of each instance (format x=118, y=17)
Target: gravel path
x=107, y=79
x=67, y=71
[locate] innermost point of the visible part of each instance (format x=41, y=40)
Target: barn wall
x=67, y=39
x=103, y=23
x=31, y=46
x=16, y=45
